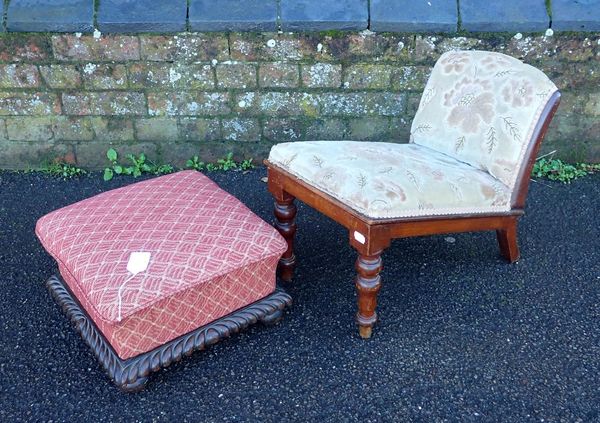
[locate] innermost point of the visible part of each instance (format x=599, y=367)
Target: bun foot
x=136, y=386
x=286, y=269
x=365, y=331
x=272, y=318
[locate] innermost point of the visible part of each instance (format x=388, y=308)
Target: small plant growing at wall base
x=195, y=164
x=224, y=164
x=557, y=170
x=227, y=162
x=64, y=170
x=247, y=164
x=139, y=165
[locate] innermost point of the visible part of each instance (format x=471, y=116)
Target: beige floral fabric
x=481, y=108
x=385, y=180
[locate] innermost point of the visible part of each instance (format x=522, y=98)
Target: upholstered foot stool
x=157, y=269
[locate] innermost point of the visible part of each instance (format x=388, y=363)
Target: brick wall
x=174, y=96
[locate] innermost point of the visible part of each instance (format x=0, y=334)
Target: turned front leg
x=285, y=222
x=368, y=283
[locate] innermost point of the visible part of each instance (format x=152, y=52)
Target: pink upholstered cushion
x=210, y=255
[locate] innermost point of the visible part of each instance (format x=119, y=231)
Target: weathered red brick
x=277, y=47
x=70, y=128
x=410, y=78
x=61, y=76
x=112, y=128
x=3, y=134
x=156, y=129
x=49, y=128
x=199, y=129
x=31, y=128
x=19, y=76
x=186, y=48
x=163, y=75
x=93, y=154
x=24, y=48
x=279, y=75
x=362, y=104
x=19, y=155
x=374, y=128
x=241, y=129
x=367, y=46
x=283, y=129
x=327, y=129
x=26, y=103
x=104, y=76
x=187, y=103
x=104, y=103
x=322, y=75
x=288, y=104
x=236, y=75
x=89, y=48
x=368, y=76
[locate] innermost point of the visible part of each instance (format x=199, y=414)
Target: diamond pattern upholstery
x=210, y=255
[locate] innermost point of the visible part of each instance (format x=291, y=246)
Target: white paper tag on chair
x=359, y=237
x=138, y=262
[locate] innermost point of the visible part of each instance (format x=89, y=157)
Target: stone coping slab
x=578, y=15
x=50, y=15
x=504, y=15
x=142, y=15
x=434, y=16
x=316, y=15
x=233, y=15
x=411, y=16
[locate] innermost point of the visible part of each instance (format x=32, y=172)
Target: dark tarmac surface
x=463, y=335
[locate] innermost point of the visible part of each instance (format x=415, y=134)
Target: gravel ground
x=463, y=335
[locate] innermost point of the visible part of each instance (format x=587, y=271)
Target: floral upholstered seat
x=468, y=140
x=385, y=180
x=464, y=168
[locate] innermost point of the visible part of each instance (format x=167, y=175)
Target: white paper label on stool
x=359, y=237
x=138, y=262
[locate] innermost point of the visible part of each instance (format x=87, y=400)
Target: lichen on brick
x=19, y=76
x=279, y=75
x=368, y=76
x=29, y=103
x=104, y=103
x=241, y=129
x=187, y=103
x=168, y=75
x=89, y=48
x=322, y=75
x=236, y=75
x=184, y=48
x=61, y=76
x=104, y=76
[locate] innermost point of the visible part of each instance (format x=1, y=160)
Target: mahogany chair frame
x=370, y=237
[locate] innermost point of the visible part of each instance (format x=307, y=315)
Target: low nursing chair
x=466, y=167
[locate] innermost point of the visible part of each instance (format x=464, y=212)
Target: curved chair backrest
x=485, y=108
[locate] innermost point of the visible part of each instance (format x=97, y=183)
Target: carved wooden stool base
x=132, y=374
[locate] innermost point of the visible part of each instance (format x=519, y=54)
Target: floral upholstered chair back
x=482, y=108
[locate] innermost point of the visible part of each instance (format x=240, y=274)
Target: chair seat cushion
x=209, y=256
x=386, y=180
